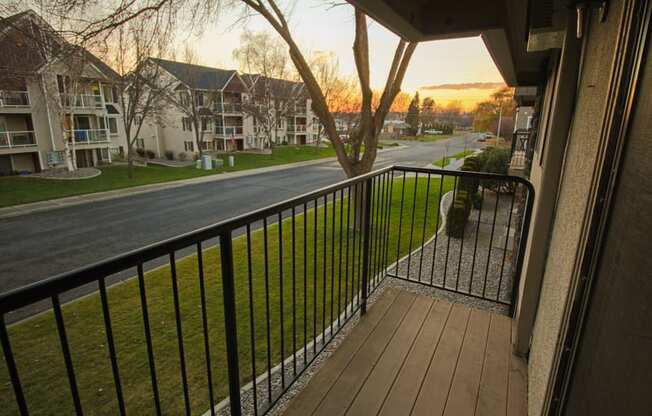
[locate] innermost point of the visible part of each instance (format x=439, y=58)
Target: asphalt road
x=36, y=246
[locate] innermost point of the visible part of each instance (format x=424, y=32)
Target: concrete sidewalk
x=24, y=209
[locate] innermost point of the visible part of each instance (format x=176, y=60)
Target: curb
x=34, y=207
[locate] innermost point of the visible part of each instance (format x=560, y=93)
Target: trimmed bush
x=495, y=160
x=470, y=185
x=458, y=214
x=169, y=155
x=140, y=152
x=182, y=156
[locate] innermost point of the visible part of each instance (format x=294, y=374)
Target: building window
x=140, y=143
x=102, y=154
x=204, y=124
x=189, y=146
x=113, y=125
x=186, y=124
x=183, y=98
x=199, y=98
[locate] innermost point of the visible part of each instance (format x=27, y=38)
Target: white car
x=432, y=131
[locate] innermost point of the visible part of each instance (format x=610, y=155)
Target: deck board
x=415, y=355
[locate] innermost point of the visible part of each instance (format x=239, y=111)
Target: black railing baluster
x=204, y=318
x=294, y=294
x=314, y=279
x=65, y=350
x=491, y=241
x=346, y=265
x=366, y=222
x=12, y=369
x=376, y=233
x=448, y=240
x=400, y=223
x=509, y=227
x=425, y=225
x=390, y=194
x=354, y=267
x=324, y=263
x=305, y=284
x=414, y=211
x=148, y=338
x=252, y=332
x=281, y=296
x=439, y=216
x=333, y=262
x=339, y=271
x=111, y=344
x=475, y=246
x=267, y=314
x=230, y=324
x=360, y=240
x=177, y=315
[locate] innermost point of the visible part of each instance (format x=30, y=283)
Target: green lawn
x=429, y=137
x=37, y=349
x=16, y=190
x=443, y=162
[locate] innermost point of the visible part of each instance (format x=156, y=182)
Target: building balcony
x=17, y=139
x=14, y=99
x=227, y=108
x=229, y=130
x=234, y=325
x=297, y=128
x=88, y=136
x=82, y=101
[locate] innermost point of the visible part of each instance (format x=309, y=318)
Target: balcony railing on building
x=229, y=130
x=87, y=101
x=17, y=139
x=88, y=136
x=227, y=108
x=238, y=310
x=297, y=128
x=14, y=99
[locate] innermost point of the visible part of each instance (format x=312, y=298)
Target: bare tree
x=142, y=92
x=272, y=95
x=352, y=160
x=194, y=103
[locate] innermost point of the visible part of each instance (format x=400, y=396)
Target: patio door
x=609, y=369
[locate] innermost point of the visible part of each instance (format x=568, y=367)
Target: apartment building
x=225, y=102
x=58, y=103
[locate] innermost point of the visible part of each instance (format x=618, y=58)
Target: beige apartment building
x=58, y=103
x=223, y=102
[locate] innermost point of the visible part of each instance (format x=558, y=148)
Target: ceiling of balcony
x=502, y=24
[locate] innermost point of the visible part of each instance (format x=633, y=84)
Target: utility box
x=217, y=163
x=198, y=164
x=231, y=161
x=207, y=163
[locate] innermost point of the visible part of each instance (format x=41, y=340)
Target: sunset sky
x=319, y=28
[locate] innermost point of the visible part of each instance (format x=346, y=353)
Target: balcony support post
x=366, y=227
x=228, y=289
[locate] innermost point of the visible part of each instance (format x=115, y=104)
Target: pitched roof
x=197, y=76
x=280, y=87
x=30, y=42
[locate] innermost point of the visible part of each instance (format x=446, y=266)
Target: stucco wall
x=573, y=198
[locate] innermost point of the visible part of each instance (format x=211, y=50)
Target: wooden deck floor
x=415, y=355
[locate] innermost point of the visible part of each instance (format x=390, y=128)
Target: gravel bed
x=479, y=264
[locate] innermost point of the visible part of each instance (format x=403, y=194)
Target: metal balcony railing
x=227, y=108
x=259, y=296
x=14, y=99
x=229, y=130
x=88, y=101
x=88, y=136
x=297, y=128
x=13, y=139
